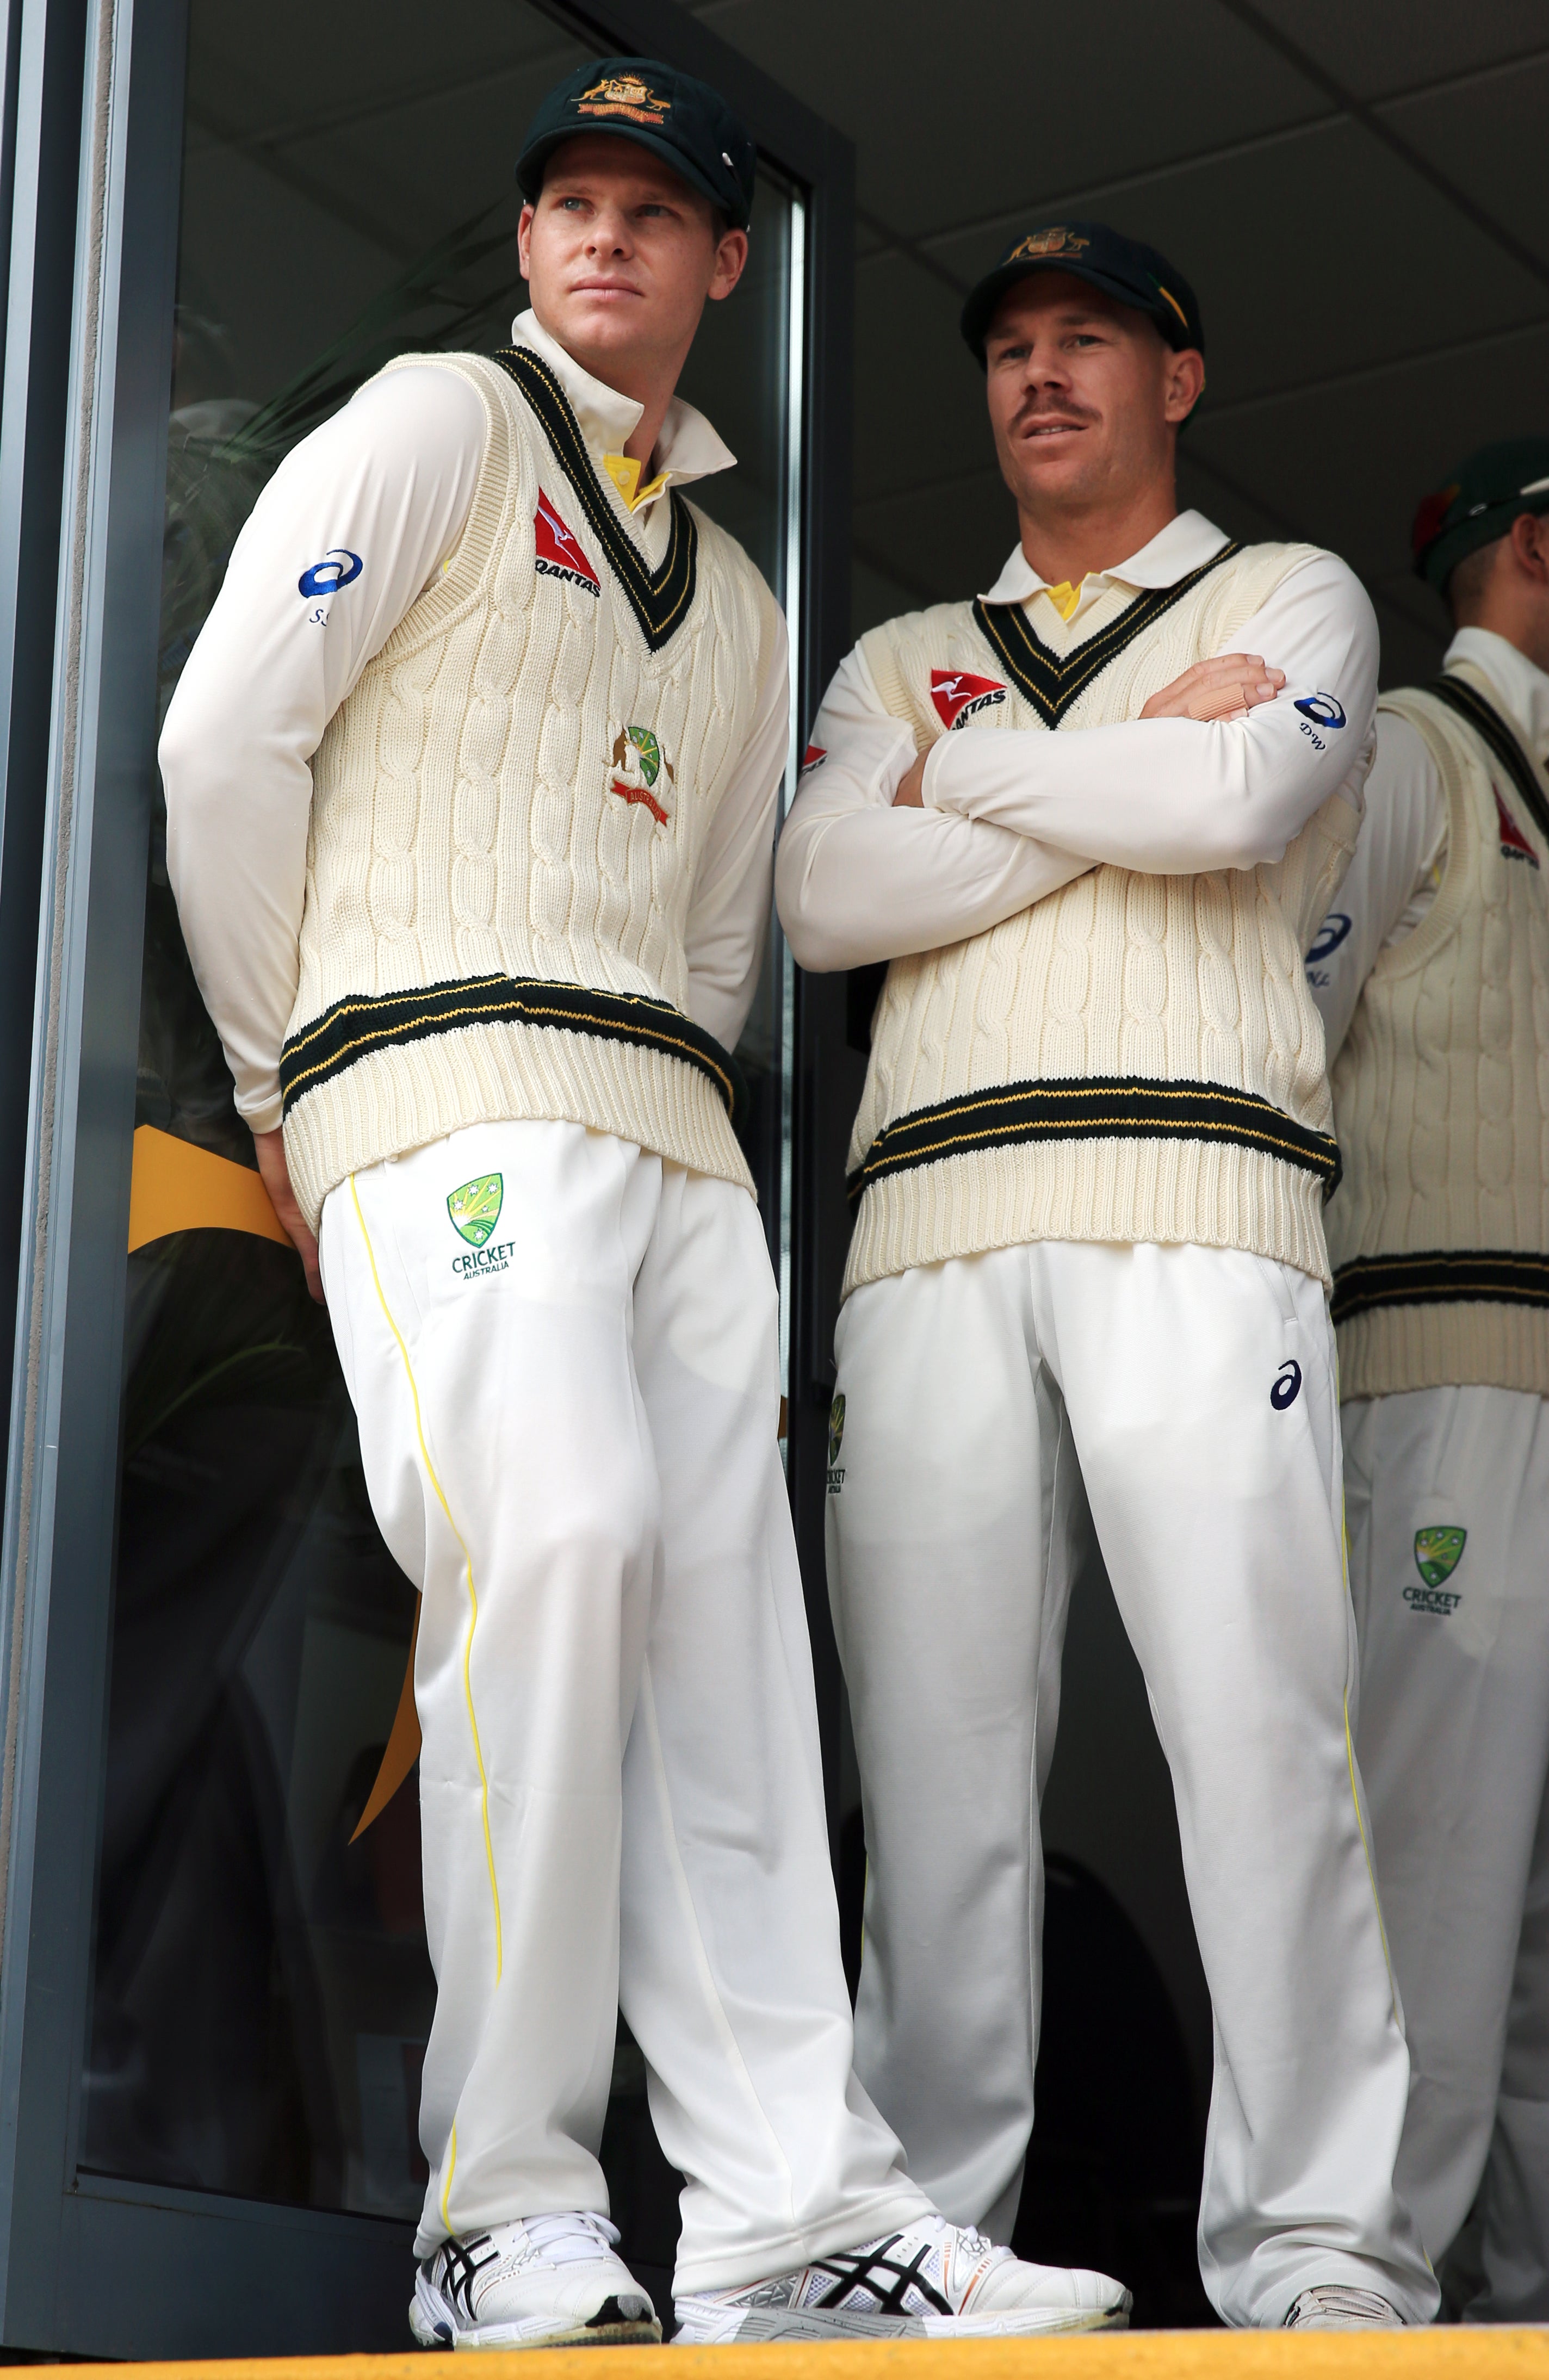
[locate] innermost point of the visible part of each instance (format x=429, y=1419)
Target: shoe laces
x=1358, y=2307
x=577, y=2238
x=971, y=2244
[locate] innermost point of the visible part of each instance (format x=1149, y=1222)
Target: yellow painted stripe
x=473, y=1592
x=1452, y=2352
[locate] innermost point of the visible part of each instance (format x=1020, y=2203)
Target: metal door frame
x=91, y=154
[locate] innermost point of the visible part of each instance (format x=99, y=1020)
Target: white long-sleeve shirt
x=387, y=485
x=1400, y=857
x=1012, y=815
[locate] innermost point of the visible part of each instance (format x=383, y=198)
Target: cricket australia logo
x=474, y=1208
x=639, y=764
x=836, y=1440
x=1437, y=1552
x=959, y=696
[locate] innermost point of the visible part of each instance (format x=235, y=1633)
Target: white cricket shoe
x=933, y=2281
x=552, y=2280
x=1335, y=2307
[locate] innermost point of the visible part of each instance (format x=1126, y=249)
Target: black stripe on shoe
x=882, y=2275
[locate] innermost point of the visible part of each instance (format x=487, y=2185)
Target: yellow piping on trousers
x=473, y=1599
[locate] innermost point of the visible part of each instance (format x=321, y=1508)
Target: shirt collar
x=687, y=449
x=1522, y=686
x=1187, y=541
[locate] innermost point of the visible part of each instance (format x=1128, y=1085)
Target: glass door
x=248, y=1985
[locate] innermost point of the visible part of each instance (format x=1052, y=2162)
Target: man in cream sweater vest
x=471, y=785
x=1088, y=1279
x=1433, y=977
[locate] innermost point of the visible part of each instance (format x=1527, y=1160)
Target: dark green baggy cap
x=1479, y=503
x=680, y=120
x=1123, y=267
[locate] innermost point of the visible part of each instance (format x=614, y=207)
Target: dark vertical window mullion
x=60, y=1473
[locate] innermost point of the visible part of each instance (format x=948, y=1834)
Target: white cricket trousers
x=1188, y=1393
x=569, y=1440
x=1453, y=1744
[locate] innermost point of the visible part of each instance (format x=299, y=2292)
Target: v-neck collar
x=659, y=598
x=1052, y=683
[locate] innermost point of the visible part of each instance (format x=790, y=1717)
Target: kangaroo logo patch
x=959, y=695
x=1514, y=842
x=474, y=1208
x=556, y=554
x=638, y=765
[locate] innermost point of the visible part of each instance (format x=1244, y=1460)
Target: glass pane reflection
x=263, y=1993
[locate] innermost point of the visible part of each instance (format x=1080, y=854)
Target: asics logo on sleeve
x=957, y=695
x=338, y=568
x=1318, y=711
x=1331, y=933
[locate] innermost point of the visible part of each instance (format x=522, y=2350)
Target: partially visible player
x=1433, y=977
x=1088, y=1266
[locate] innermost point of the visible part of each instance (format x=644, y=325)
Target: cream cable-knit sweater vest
x=1440, y=1232
x=1135, y=1057
x=507, y=812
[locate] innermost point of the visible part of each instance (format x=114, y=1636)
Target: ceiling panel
x=1488, y=137
x=953, y=126
x=1376, y=47
x=1365, y=332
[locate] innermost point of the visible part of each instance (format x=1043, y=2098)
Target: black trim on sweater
x=1094, y=1108
x=364, y=1022
x=1051, y=685
x=659, y=598
x=1441, y=1276
x=1493, y=731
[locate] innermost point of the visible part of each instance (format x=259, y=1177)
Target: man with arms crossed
x=471, y=785
x=1433, y=977
x=1089, y=1265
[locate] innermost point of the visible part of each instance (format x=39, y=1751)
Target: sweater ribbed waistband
x=403, y=1090
x=364, y=1022
x=1094, y=1108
